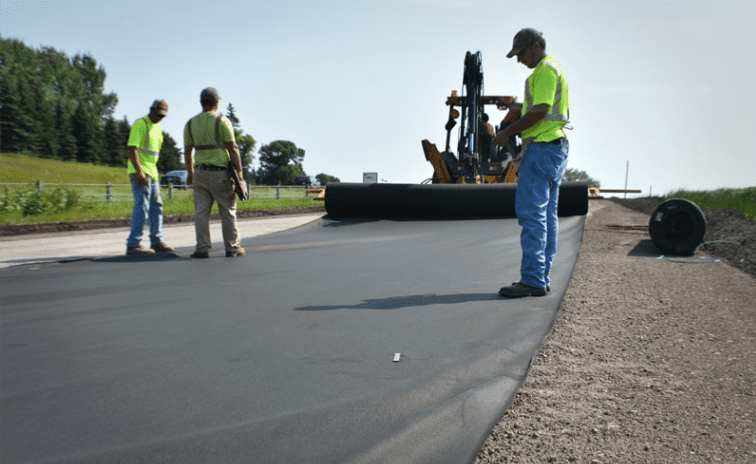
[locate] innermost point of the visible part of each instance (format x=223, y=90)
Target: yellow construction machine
x=477, y=160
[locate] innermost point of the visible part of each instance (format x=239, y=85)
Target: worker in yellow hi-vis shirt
x=545, y=112
x=212, y=136
x=143, y=148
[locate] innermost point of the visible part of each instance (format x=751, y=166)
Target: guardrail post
x=39, y=185
x=170, y=191
x=108, y=192
x=278, y=191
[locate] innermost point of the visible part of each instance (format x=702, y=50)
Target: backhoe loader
x=477, y=159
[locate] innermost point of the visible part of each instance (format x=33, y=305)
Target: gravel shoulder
x=649, y=360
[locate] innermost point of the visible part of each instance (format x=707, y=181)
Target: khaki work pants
x=212, y=186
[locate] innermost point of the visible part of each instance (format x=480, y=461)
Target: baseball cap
x=524, y=38
x=209, y=96
x=160, y=107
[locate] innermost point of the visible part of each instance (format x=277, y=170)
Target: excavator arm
x=476, y=159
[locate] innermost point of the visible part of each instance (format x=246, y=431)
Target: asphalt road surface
x=332, y=341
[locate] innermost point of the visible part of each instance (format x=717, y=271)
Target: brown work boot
x=162, y=248
x=138, y=250
x=236, y=253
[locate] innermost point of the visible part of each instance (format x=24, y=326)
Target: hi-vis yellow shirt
x=548, y=85
x=147, y=137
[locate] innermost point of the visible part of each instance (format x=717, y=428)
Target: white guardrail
x=122, y=192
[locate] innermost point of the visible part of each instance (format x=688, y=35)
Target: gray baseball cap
x=209, y=96
x=524, y=38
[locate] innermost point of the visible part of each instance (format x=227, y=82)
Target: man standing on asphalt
x=212, y=136
x=143, y=148
x=544, y=113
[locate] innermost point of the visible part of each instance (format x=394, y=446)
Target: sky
x=662, y=94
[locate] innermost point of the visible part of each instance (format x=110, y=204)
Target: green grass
x=15, y=168
x=27, y=170
x=741, y=200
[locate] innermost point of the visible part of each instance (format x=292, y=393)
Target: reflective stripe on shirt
x=146, y=150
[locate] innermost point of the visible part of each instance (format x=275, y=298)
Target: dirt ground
x=649, y=361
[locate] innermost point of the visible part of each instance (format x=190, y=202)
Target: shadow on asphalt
x=400, y=302
x=141, y=258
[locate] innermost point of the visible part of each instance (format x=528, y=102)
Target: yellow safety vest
x=206, y=132
x=148, y=152
x=546, y=76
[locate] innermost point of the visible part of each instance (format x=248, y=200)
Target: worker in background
x=486, y=138
x=212, y=136
x=143, y=148
x=544, y=113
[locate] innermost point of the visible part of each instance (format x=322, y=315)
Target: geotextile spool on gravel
x=440, y=201
x=677, y=227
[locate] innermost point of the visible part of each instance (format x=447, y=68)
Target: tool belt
x=210, y=167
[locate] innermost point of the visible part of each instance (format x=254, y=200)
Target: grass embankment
x=741, y=200
x=26, y=204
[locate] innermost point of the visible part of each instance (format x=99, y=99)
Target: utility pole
x=627, y=172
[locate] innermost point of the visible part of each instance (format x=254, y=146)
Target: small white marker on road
x=397, y=356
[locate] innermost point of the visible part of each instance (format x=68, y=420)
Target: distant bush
x=572, y=174
x=33, y=202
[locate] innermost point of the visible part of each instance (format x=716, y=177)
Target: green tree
x=245, y=142
x=325, y=178
x=63, y=127
x=52, y=106
x=281, y=161
x=572, y=174
x=170, y=155
x=116, y=137
x=89, y=136
x=288, y=174
x=19, y=127
x=93, y=86
x=57, y=79
x=231, y=115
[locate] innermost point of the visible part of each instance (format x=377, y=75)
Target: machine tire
x=678, y=227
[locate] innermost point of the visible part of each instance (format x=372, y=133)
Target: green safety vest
x=198, y=132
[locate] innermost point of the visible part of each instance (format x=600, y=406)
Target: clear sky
x=667, y=86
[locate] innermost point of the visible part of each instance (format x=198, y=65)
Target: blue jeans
x=536, y=207
x=147, y=204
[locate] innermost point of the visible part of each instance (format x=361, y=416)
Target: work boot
x=200, y=255
x=162, y=248
x=519, y=290
x=138, y=250
x=236, y=253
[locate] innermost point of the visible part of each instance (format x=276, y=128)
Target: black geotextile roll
x=678, y=227
x=440, y=201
